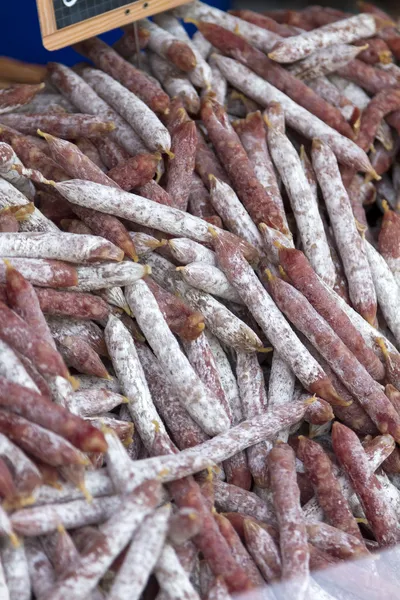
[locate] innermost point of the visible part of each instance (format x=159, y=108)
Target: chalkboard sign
x=65, y=22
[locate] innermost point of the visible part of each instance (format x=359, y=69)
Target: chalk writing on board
x=70, y=12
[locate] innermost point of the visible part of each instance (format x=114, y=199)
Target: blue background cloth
x=20, y=37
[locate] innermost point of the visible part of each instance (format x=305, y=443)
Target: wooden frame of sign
x=55, y=37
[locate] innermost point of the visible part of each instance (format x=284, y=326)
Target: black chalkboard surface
x=69, y=12
x=65, y=22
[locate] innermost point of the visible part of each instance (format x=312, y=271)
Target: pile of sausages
x=199, y=313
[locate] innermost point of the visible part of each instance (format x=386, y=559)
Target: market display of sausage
x=199, y=312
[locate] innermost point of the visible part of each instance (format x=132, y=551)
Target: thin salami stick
x=107, y=275
x=47, y=101
x=181, y=319
x=254, y=196
x=8, y=158
x=239, y=553
x=130, y=373
x=171, y=576
x=30, y=154
x=72, y=514
x=389, y=237
x=350, y=371
x=72, y=304
x=60, y=125
x=358, y=274
x=86, y=330
x=210, y=279
x=263, y=549
x=218, y=84
x=187, y=251
x=227, y=377
x=325, y=61
x=166, y=45
x=382, y=104
x=131, y=108
x=376, y=453
x=202, y=360
x=26, y=474
x=261, y=38
x=199, y=200
x=136, y=171
x=41, y=572
x=74, y=162
x=345, y=31
x=329, y=92
x=280, y=387
x=327, y=487
x=372, y=338
x=73, y=87
x=13, y=369
x=207, y=163
x=368, y=77
x=184, y=431
x=387, y=290
x=233, y=213
x=296, y=116
x=200, y=75
x=146, y=543
x=136, y=81
x=181, y=375
x=40, y=442
x=93, y=401
x=11, y=198
x=145, y=242
x=37, y=409
x=353, y=415
x=62, y=246
x=248, y=433
x=21, y=297
x=79, y=354
x=180, y=168
x=218, y=319
x=273, y=239
x=377, y=52
x=15, y=96
x=292, y=530
x=21, y=337
x=272, y=321
x=16, y=571
x=335, y=542
x=139, y=210
x=304, y=204
x=117, y=532
x=236, y=47
x=251, y=132
x=175, y=83
x=307, y=282
x=352, y=457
